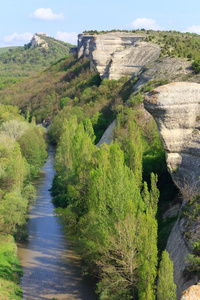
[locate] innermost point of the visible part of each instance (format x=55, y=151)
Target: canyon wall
x=117, y=54
x=176, y=110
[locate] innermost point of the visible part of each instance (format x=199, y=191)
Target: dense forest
x=110, y=200
x=22, y=153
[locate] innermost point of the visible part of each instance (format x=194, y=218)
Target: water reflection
x=51, y=268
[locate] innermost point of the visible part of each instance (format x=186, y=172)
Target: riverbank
x=10, y=270
x=51, y=269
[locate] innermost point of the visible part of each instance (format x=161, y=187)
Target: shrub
x=196, y=66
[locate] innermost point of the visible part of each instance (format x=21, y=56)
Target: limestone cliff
x=37, y=40
x=117, y=54
x=176, y=110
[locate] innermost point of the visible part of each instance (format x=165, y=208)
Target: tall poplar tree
x=166, y=288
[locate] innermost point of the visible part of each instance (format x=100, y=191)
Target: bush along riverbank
x=22, y=153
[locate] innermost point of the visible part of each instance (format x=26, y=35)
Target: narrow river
x=51, y=269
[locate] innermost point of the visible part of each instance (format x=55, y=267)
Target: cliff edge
x=117, y=54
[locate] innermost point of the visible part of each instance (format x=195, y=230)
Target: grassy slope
x=5, y=49
x=10, y=270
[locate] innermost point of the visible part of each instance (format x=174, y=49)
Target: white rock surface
x=107, y=137
x=176, y=110
x=117, y=54
x=192, y=293
x=37, y=40
x=178, y=249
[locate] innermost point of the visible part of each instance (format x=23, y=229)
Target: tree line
x=22, y=153
x=109, y=211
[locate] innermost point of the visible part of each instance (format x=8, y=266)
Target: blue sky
x=64, y=19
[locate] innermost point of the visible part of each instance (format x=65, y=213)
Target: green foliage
x=14, y=129
x=24, y=61
x=12, y=166
x=103, y=208
x=196, y=66
x=16, y=192
x=151, y=84
x=13, y=210
x=147, y=243
x=5, y=49
x=166, y=288
x=10, y=269
x=33, y=149
x=8, y=112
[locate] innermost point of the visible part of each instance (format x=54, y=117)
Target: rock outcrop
x=192, y=293
x=179, y=247
x=117, y=54
x=37, y=40
x=176, y=110
x=107, y=137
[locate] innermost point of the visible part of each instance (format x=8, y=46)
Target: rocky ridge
x=114, y=55
x=37, y=40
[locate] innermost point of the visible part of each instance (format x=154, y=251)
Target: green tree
x=33, y=148
x=147, y=249
x=147, y=243
x=13, y=212
x=166, y=288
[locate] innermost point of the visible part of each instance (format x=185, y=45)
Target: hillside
x=75, y=97
x=5, y=49
x=23, y=61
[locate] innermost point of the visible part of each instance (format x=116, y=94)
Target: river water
x=51, y=269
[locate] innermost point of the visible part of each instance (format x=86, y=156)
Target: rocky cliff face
x=114, y=55
x=176, y=110
x=38, y=40
x=192, y=293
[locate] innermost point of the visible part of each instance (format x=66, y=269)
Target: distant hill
x=5, y=49
x=23, y=61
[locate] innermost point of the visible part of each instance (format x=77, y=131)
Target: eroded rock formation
x=176, y=110
x=117, y=54
x=37, y=40
x=192, y=293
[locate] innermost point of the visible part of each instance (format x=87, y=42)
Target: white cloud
x=194, y=29
x=18, y=39
x=46, y=14
x=68, y=37
x=146, y=23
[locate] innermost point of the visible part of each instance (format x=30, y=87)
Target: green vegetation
x=166, y=286
x=23, y=61
x=18, y=165
x=5, y=49
x=196, y=66
x=107, y=198
x=10, y=270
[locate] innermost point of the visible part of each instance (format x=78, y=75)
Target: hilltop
x=23, y=61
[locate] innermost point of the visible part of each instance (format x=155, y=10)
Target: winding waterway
x=51, y=269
